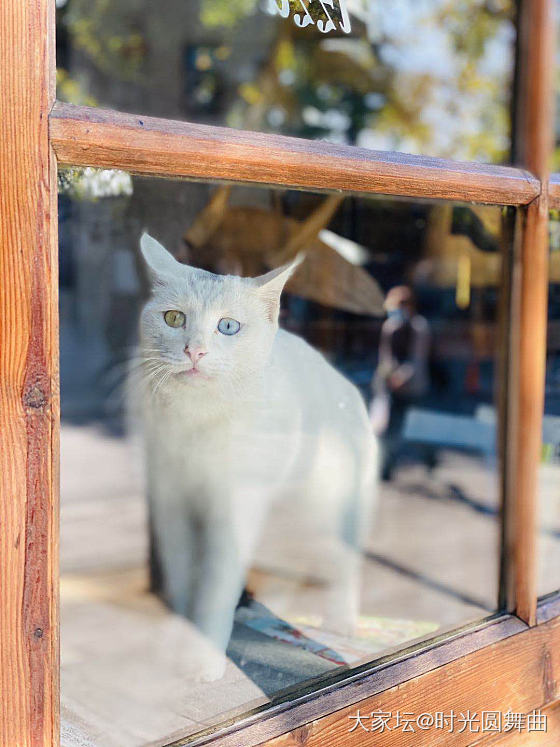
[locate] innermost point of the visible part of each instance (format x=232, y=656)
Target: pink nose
x=195, y=354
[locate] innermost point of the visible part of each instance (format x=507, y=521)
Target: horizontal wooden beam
x=518, y=674
x=86, y=136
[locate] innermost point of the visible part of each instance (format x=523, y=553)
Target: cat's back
x=328, y=447
x=312, y=387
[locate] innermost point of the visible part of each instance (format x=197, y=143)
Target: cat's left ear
x=270, y=286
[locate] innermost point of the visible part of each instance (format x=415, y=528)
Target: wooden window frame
x=507, y=661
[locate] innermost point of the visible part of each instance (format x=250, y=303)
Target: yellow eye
x=174, y=318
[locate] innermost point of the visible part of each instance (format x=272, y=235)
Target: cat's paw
x=197, y=667
x=189, y=654
x=209, y=669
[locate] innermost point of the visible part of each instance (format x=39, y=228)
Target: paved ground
x=432, y=563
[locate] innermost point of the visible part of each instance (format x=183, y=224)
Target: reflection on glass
x=421, y=76
x=549, y=503
x=300, y=500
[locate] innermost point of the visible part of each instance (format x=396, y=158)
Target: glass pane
x=549, y=470
x=420, y=76
x=245, y=495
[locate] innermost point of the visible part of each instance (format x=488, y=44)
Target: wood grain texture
x=520, y=673
x=28, y=379
x=158, y=147
x=535, y=122
x=550, y=738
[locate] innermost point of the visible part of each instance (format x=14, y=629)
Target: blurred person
x=402, y=376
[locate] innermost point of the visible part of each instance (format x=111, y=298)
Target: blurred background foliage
x=424, y=76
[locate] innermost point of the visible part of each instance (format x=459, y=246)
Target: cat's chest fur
x=297, y=425
x=211, y=443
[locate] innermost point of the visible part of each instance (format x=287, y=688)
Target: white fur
x=267, y=419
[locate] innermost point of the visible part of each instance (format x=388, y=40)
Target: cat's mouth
x=195, y=373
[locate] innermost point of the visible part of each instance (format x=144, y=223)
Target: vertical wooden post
x=28, y=379
x=534, y=141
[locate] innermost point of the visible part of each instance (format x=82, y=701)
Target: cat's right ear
x=159, y=261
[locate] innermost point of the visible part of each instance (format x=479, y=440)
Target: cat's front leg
x=227, y=536
x=193, y=654
x=187, y=652
x=220, y=581
x=176, y=544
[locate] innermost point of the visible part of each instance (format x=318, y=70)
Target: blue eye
x=228, y=326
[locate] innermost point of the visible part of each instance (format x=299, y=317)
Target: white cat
x=237, y=416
